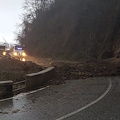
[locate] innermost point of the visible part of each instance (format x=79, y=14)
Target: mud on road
x=67, y=70
x=15, y=70
x=11, y=69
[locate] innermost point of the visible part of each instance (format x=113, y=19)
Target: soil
x=85, y=69
x=12, y=69
x=15, y=70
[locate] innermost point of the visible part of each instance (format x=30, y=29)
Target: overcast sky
x=10, y=11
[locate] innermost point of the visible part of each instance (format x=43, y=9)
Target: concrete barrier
x=6, y=89
x=35, y=80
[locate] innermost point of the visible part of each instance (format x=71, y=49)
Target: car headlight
x=24, y=54
x=15, y=54
x=23, y=59
x=4, y=53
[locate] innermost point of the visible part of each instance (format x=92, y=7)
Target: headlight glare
x=4, y=53
x=23, y=59
x=23, y=54
x=15, y=54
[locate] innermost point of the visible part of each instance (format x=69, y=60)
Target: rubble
x=15, y=70
x=85, y=69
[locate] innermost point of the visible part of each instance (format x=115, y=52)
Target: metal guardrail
x=19, y=82
x=35, y=80
x=19, y=87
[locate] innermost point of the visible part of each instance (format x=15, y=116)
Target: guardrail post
x=8, y=90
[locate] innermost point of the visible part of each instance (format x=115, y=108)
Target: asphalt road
x=84, y=99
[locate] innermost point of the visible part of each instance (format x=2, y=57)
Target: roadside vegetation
x=71, y=29
x=85, y=31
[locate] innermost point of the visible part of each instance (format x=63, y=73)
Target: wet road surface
x=57, y=101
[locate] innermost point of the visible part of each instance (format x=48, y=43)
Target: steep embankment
x=73, y=29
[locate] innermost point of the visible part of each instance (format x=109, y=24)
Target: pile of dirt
x=15, y=70
x=12, y=69
x=89, y=68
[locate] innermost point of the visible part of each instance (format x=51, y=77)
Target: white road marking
x=31, y=92
x=23, y=94
x=90, y=104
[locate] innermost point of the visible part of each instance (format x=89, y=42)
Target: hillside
x=72, y=29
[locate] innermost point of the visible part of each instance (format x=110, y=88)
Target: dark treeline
x=71, y=28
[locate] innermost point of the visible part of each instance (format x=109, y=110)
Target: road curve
x=57, y=101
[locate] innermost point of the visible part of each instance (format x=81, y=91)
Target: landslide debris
x=85, y=69
x=12, y=69
x=15, y=70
